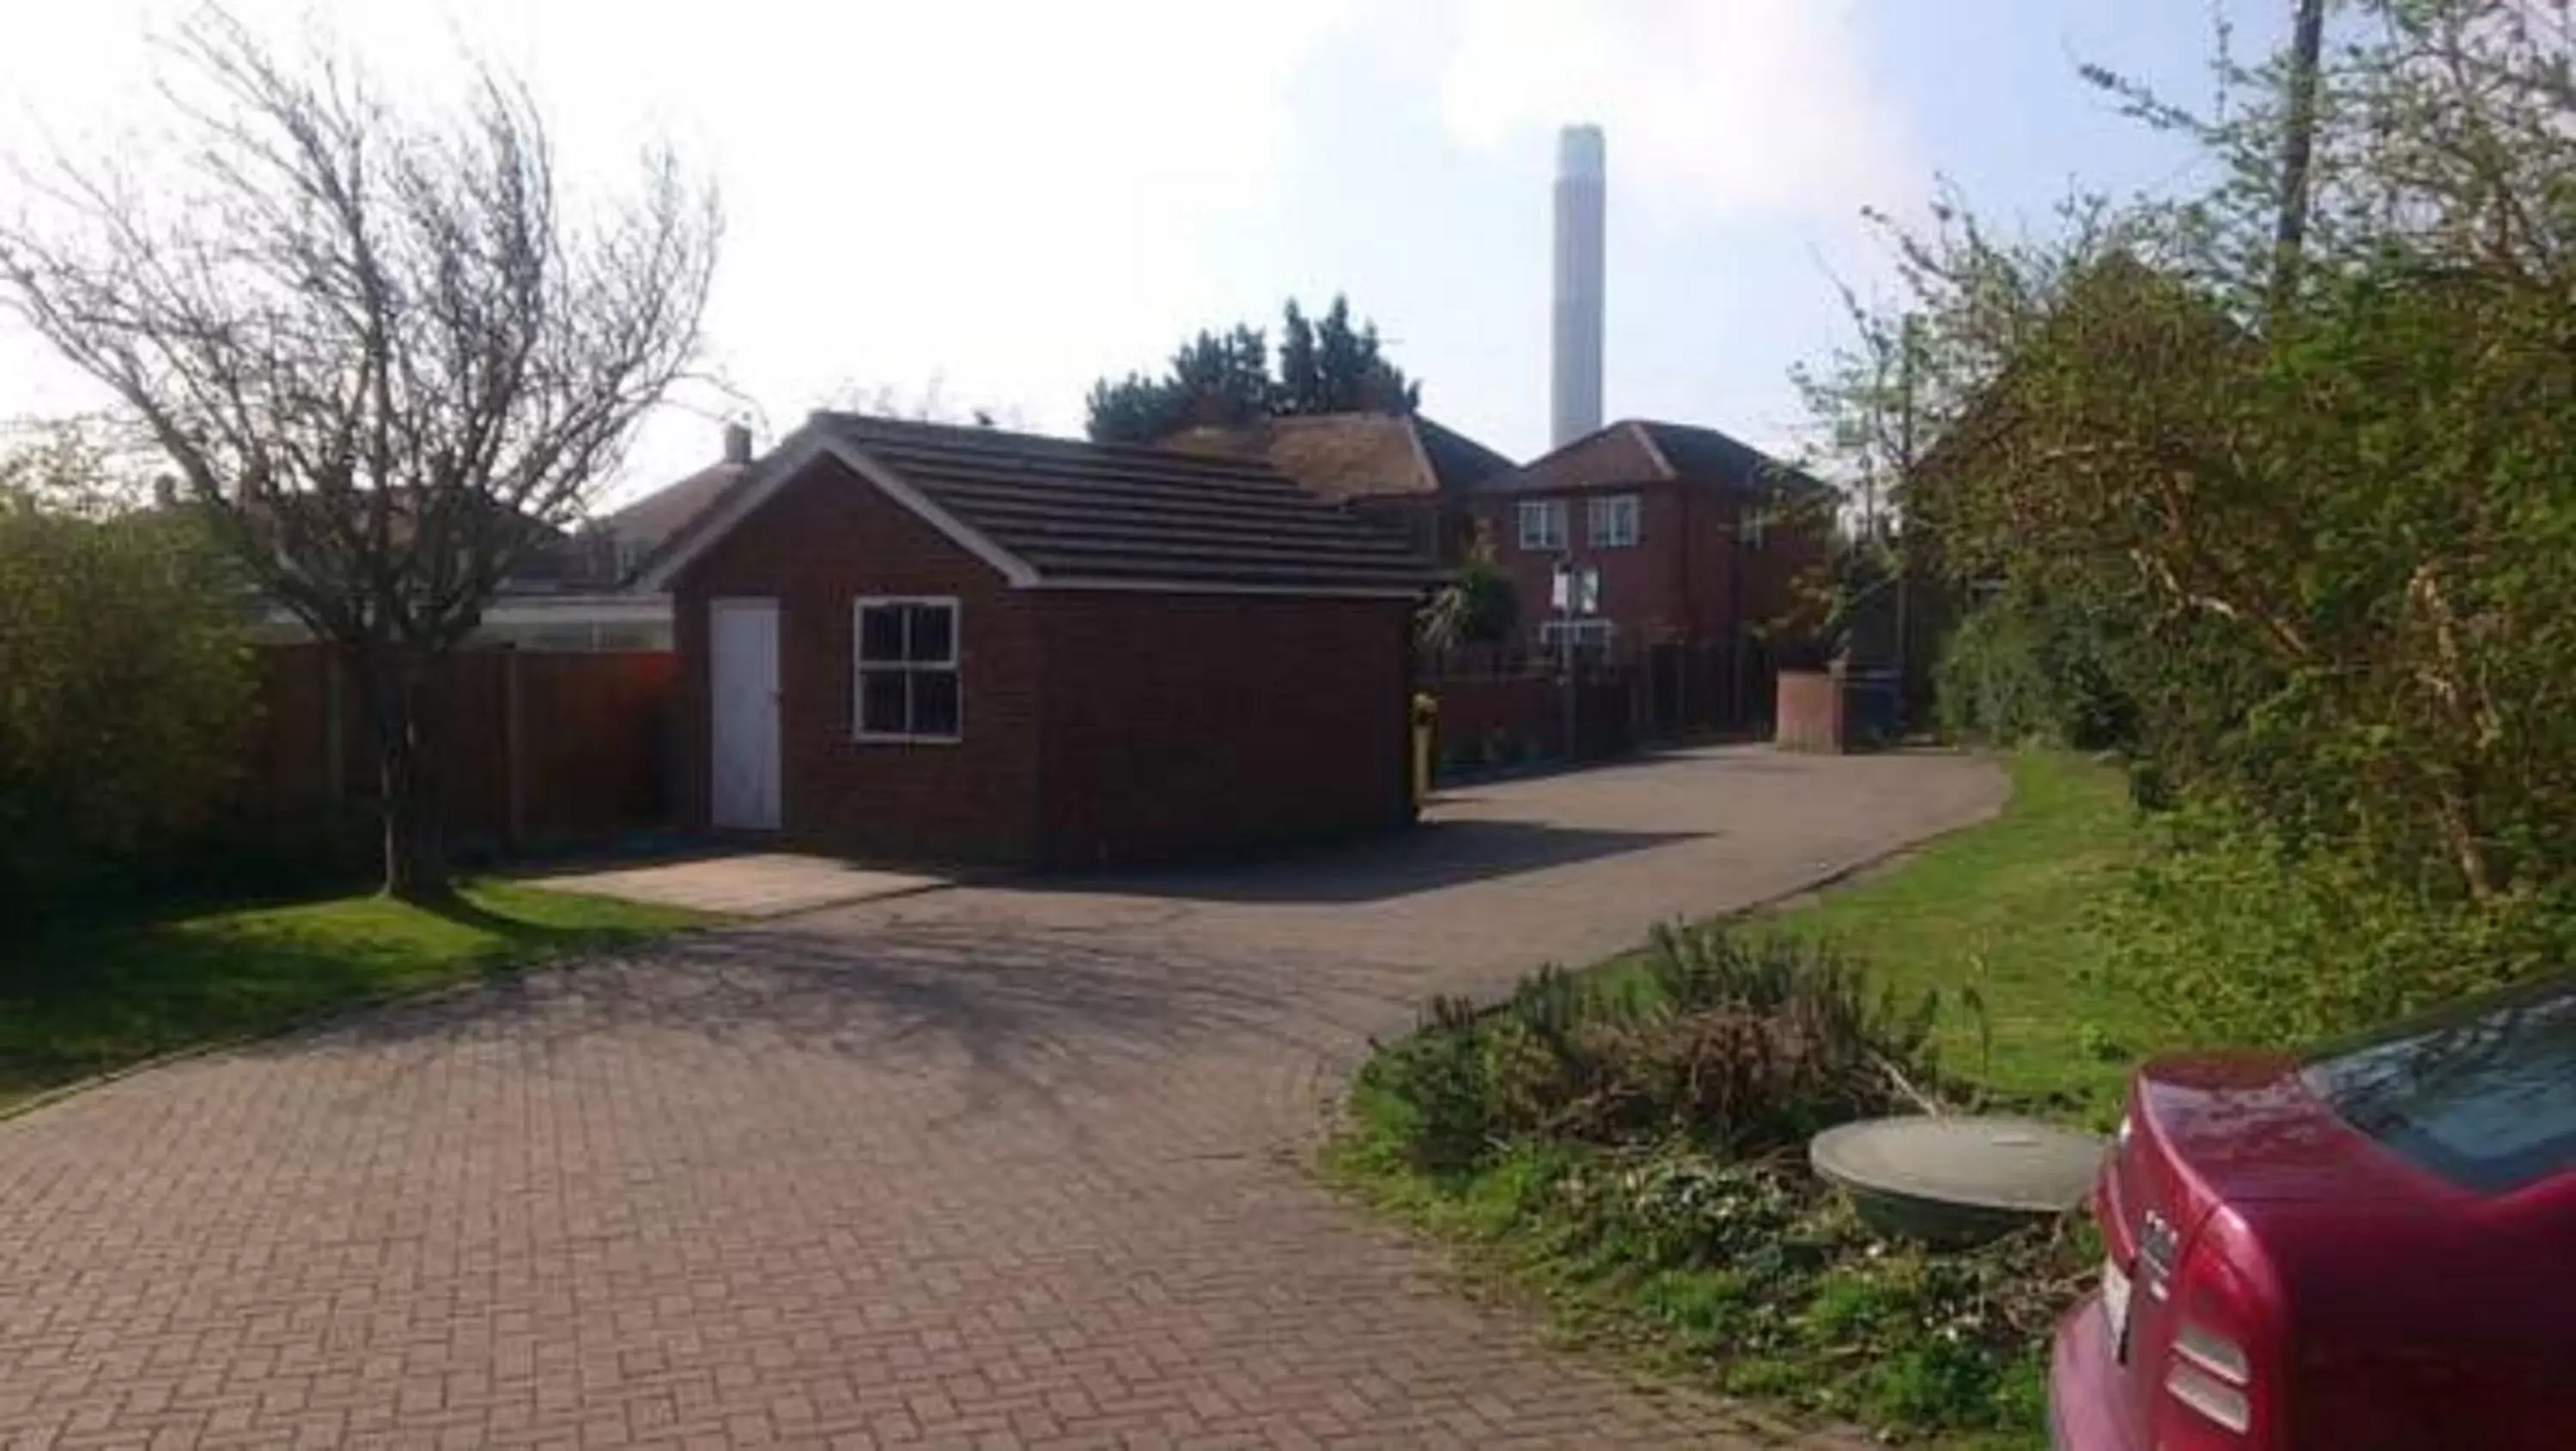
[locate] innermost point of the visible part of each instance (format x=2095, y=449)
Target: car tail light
x=2214, y=1393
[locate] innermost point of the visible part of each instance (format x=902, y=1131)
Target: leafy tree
x=1301, y=371
x=2297, y=449
x=1224, y=380
x=1333, y=367
x=385, y=357
x=127, y=677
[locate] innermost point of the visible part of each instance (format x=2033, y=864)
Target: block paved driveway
x=997, y=1166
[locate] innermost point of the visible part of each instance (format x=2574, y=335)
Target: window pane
x=1542, y=523
x=881, y=633
x=1614, y=520
x=882, y=697
x=2483, y=1094
x=934, y=634
x=934, y=702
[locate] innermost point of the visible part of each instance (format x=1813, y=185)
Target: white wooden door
x=742, y=679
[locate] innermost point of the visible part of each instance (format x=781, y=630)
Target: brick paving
x=997, y=1166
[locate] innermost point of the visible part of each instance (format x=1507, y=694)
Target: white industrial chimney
x=1574, y=391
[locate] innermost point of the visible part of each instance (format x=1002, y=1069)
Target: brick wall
x=1186, y=723
x=1648, y=589
x=1687, y=579
x=819, y=544
x=1099, y=727
x=1810, y=712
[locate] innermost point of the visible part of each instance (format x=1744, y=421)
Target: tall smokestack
x=1574, y=391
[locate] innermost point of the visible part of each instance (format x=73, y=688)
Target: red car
x=2373, y=1249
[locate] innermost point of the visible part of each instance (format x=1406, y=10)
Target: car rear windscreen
x=2483, y=1095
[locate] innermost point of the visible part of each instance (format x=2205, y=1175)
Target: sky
x=991, y=203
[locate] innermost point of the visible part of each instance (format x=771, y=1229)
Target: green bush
x=124, y=678
x=2019, y=670
x=2237, y=936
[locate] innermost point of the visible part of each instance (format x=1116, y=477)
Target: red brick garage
x=959, y=644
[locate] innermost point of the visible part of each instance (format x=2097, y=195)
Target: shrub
x=1744, y=1047
x=2019, y=669
x=124, y=679
x=2239, y=936
x=1432, y=1092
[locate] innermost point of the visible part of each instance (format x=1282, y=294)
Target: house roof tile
x=1052, y=511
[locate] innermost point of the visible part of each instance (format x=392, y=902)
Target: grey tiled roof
x=1636, y=451
x=1131, y=515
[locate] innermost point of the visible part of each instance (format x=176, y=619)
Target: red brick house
x=1400, y=471
x=1699, y=541
x=961, y=644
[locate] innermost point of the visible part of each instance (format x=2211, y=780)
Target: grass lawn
x=84, y=999
x=2003, y=910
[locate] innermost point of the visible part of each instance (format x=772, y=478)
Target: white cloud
x=1714, y=108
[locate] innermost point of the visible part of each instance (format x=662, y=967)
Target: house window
x=1542, y=525
x=1752, y=529
x=907, y=669
x=1614, y=521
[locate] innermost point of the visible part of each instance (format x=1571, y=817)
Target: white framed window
x=907, y=690
x=1752, y=529
x=1614, y=519
x=1542, y=524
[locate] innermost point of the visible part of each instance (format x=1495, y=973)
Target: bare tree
x=377, y=344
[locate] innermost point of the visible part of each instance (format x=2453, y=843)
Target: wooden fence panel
x=539, y=748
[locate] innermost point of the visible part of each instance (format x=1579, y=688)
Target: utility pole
x=2298, y=148
x=1902, y=554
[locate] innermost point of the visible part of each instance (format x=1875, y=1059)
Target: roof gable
x=1056, y=513
x=1457, y=461
x=1617, y=454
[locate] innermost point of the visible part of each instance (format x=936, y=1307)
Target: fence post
x=514, y=775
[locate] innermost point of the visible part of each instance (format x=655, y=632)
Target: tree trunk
x=2298, y=142
x=402, y=714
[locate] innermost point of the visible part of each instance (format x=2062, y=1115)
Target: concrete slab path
x=744, y=884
